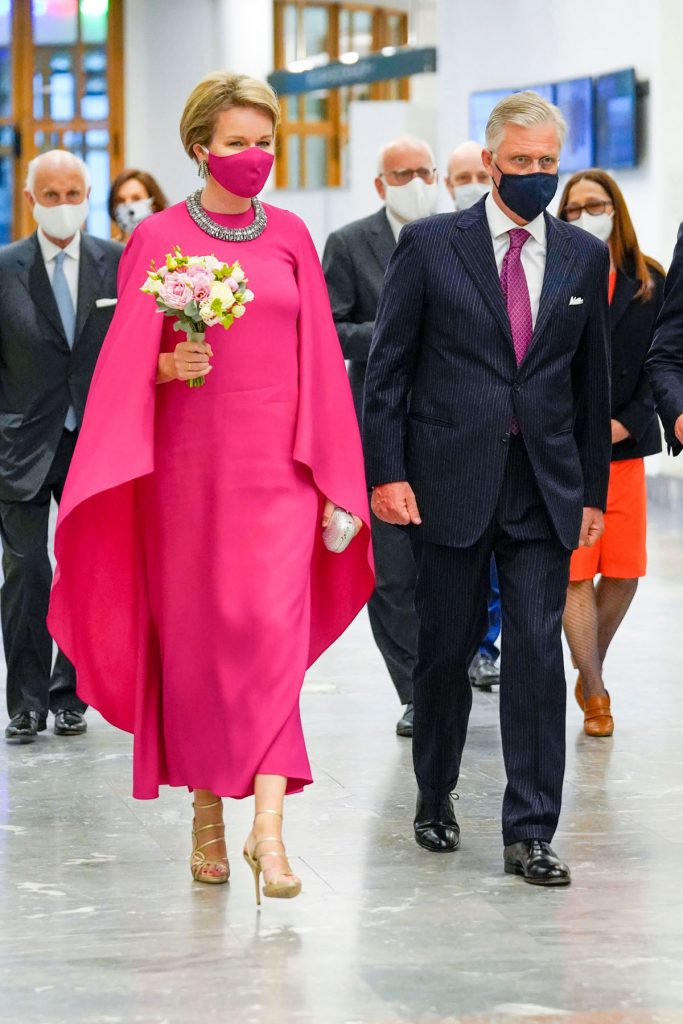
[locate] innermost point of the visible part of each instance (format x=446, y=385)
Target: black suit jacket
x=632, y=326
x=355, y=261
x=40, y=376
x=443, y=385
x=665, y=361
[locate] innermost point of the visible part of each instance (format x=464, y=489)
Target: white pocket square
x=576, y=300
x=101, y=303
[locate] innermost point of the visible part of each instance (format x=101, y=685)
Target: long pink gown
x=192, y=588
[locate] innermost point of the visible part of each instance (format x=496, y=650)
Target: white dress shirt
x=71, y=263
x=394, y=223
x=533, y=250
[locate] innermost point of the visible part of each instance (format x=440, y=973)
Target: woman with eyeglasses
x=593, y=201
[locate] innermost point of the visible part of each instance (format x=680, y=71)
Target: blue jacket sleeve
x=392, y=360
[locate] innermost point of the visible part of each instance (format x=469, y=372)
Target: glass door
x=64, y=75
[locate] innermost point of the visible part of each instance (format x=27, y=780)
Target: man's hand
x=395, y=503
x=678, y=429
x=592, y=527
x=619, y=432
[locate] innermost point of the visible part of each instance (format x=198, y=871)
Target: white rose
x=223, y=292
x=238, y=311
x=238, y=274
x=151, y=286
x=207, y=315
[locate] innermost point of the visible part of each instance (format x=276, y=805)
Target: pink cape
x=100, y=611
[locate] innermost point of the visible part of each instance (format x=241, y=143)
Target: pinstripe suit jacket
x=443, y=384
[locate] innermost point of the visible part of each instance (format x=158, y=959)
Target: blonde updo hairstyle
x=217, y=92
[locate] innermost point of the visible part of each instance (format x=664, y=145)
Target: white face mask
x=129, y=215
x=467, y=195
x=412, y=201
x=599, y=225
x=61, y=221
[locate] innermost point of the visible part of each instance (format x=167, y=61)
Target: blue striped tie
x=68, y=314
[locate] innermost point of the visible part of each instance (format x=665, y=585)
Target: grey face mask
x=129, y=215
x=467, y=195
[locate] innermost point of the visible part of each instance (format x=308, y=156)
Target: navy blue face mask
x=527, y=195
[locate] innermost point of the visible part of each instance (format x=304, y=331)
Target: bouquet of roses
x=200, y=292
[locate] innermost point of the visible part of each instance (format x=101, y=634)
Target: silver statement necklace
x=207, y=224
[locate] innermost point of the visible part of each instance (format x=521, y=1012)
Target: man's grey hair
x=403, y=140
x=68, y=158
x=526, y=109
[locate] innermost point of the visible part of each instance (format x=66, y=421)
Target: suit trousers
x=32, y=682
x=391, y=608
x=452, y=585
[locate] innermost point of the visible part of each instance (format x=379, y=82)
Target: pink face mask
x=244, y=174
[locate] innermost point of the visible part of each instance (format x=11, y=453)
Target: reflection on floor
x=100, y=922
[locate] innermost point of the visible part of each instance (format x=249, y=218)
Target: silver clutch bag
x=339, y=532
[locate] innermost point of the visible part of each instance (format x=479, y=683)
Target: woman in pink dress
x=193, y=588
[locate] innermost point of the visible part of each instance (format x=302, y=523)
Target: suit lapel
x=381, y=239
x=37, y=283
x=472, y=241
x=624, y=291
x=559, y=257
x=90, y=272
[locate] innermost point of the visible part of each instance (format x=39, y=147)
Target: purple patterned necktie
x=516, y=292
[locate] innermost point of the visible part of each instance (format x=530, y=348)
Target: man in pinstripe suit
x=491, y=351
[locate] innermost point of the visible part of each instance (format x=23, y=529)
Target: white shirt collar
x=50, y=250
x=500, y=223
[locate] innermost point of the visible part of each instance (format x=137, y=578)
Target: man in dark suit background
x=490, y=351
x=56, y=304
x=355, y=260
x=665, y=360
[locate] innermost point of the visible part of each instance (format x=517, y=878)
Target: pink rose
x=176, y=291
x=233, y=284
x=201, y=281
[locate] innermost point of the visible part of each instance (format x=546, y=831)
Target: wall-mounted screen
x=481, y=105
x=546, y=92
x=615, y=120
x=575, y=100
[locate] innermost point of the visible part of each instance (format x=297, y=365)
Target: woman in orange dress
x=594, y=611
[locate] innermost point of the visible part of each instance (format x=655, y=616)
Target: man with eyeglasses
x=487, y=432
x=355, y=260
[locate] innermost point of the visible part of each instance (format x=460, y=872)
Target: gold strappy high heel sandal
x=198, y=860
x=286, y=885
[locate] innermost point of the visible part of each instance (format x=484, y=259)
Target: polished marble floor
x=100, y=922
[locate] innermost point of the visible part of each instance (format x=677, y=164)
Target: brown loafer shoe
x=578, y=693
x=597, y=717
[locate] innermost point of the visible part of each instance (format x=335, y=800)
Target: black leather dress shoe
x=435, y=826
x=483, y=672
x=404, y=726
x=69, y=723
x=535, y=860
x=24, y=727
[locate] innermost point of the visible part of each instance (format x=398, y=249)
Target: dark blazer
x=632, y=326
x=664, y=364
x=40, y=376
x=443, y=385
x=354, y=262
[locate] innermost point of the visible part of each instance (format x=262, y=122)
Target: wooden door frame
x=22, y=102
